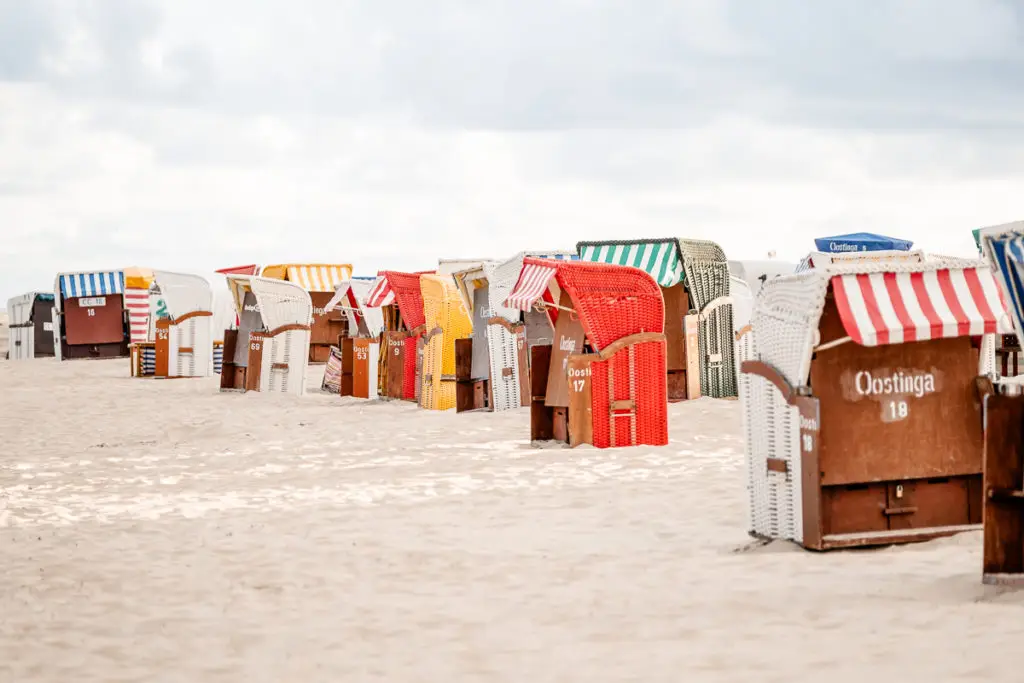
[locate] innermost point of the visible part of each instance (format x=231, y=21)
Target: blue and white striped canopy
x=92, y=284
x=1005, y=251
x=557, y=257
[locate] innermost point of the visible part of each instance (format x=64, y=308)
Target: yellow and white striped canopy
x=319, y=278
x=312, y=277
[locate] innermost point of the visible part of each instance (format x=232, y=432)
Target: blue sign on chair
x=860, y=241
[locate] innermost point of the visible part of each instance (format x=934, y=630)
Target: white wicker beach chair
x=287, y=313
x=189, y=300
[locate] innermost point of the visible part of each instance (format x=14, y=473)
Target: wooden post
x=421, y=346
x=1003, y=561
x=581, y=399
x=541, y=417
x=254, y=371
x=163, y=348
x=691, y=329
x=348, y=362
x=677, y=303
x=396, y=363
x=361, y=369
x=227, y=364
x=469, y=392
x=810, y=469
x=524, y=365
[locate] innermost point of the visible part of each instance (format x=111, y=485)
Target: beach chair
x=1003, y=407
x=400, y=299
x=320, y=280
x=90, y=319
x=184, y=337
x=269, y=350
x=492, y=366
x=31, y=326
x=694, y=280
x=603, y=379
x=446, y=320
x=356, y=359
x=862, y=420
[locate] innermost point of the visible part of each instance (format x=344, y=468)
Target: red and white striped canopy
x=240, y=270
x=893, y=308
x=137, y=303
x=380, y=294
x=532, y=285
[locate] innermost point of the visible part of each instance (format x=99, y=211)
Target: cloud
x=198, y=135
x=553, y=65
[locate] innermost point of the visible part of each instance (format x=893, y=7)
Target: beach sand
x=162, y=531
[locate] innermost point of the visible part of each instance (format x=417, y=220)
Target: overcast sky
x=189, y=134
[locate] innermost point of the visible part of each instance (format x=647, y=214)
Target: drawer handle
x=901, y=511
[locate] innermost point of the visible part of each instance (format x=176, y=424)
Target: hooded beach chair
x=603, y=378
x=862, y=422
x=269, y=350
x=352, y=368
x=320, y=280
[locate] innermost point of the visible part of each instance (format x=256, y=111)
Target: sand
x=161, y=531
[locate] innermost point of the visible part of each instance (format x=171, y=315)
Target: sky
x=195, y=135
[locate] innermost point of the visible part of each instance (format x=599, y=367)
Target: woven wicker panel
x=502, y=278
x=292, y=349
x=786, y=315
x=615, y=302
x=612, y=301
x=775, y=504
x=185, y=363
x=758, y=424
x=430, y=381
x=707, y=279
x=718, y=378
x=456, y=323
x=745, y=352
x=645, y=383
x=442, y=307
x=409, y=358
x=408, y=296
x=434, y=306
x=987, y=366
x=504, y=354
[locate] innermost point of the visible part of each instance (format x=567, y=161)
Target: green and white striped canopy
x=659, y=258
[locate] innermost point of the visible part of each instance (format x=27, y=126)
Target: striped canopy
x=896, y=307
x=532, y=285
x=381, y=293
x=319, y=278
x=404, y=289
x=240, y=270
x=92, y=284
x=1005, y=251
x=556, y=255
x=658, y=258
